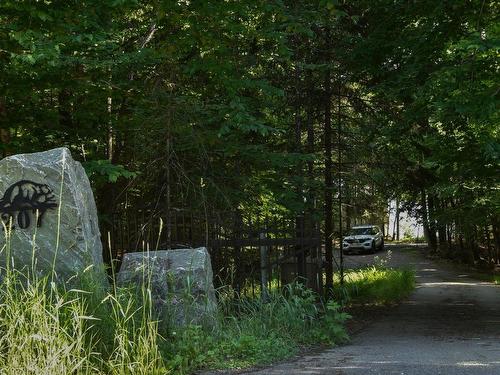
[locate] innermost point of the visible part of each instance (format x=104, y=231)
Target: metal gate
x=245, y=249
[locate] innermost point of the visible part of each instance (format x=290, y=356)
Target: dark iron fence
x=246, y=250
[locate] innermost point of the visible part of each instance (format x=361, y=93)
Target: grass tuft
x=376, y=285
x=42, y=330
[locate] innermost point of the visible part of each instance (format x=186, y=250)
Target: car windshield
x=362, y=231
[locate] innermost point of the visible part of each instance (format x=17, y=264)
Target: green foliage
x=376, y=285
x=233, y=94
x=222, y=105
x=252, y=331
x=110, y=172
x=89, y=330
x=331, y=329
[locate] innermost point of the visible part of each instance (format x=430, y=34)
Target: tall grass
x=46, y=330
x=136, y=341
x=43, y=331
x=376, y=285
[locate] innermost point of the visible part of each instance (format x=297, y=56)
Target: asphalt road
x=449, y=325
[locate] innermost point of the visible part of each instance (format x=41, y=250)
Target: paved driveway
x=450, y=325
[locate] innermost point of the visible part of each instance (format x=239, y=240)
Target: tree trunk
x=4, y=130
x=299, y=219
x=394, y=223
x=496, y=237
x=425, y=217
x=398, y=213
x=449, y=229
x=441, y=227
x=64, y=109
x=467, y=244
x=328, y=186
x=311, y=196
x=264, y=265
x=488, y=243
x=339, y=172
x=432, y=223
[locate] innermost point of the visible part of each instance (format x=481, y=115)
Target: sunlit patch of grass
x=375, y=285
x=42, y=330
x=491, y=278
x=46, y=329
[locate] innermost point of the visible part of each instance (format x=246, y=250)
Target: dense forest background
x=275, y=107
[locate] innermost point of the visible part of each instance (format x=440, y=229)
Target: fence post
x=264, y=264
x=237, y=235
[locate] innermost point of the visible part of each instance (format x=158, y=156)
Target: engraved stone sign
x=48, y=215
x=23, y=200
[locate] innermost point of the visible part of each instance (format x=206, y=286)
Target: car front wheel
x=373, y=248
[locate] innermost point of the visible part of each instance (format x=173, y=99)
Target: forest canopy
x=266, y=106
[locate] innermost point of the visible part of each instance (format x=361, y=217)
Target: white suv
x=363, y=238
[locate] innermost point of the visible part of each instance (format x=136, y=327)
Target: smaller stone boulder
x=181, y=283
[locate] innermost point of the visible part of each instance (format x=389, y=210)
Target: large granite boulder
x=48, y=216
x=181, y=283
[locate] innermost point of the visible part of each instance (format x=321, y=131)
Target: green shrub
x=251, y=331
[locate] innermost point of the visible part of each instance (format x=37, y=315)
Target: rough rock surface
x=181, y=282
x=48, y=215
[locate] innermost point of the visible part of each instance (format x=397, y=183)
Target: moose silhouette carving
x=23, y=200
